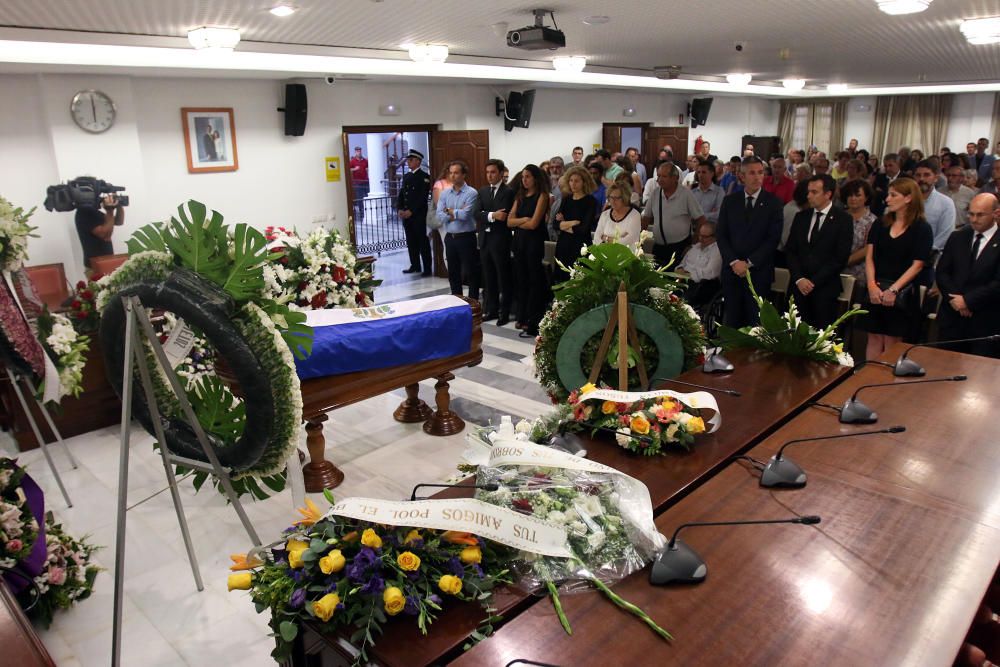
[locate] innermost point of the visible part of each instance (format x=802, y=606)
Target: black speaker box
x=296, y=109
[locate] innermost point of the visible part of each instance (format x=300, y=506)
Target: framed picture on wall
x=209, y=139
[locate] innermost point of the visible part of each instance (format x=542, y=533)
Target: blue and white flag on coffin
x=347, y=340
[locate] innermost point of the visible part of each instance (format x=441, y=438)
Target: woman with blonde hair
x=897, y=251
x=574, y=222
x=620, y=223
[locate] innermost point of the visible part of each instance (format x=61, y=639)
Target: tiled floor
x=167, y=621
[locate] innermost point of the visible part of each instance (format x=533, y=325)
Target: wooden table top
x=773, y=389
x=892, y=576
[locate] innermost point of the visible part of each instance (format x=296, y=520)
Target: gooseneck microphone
x=679, y=563
x=716, y=363
x=907, y=368
x=729, y=392
x=485, y=487
x=856, y=412
x=784, y=473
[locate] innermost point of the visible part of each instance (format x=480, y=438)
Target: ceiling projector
x=538, y=36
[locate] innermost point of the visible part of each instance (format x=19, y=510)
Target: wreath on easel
x=211, y=277
x=669, y=333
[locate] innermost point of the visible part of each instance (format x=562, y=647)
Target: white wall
x=281, y=180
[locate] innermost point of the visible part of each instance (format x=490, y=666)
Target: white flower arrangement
x=14, y=234
x=68, y=348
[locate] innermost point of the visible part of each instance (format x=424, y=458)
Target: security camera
x=330, y=79
x=739, y=46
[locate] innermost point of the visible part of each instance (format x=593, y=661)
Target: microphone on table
x=716, y=363
x=856, y=412
x=679, y=563
x=908, y=368
x=730, y=392
x=784, y=473
x=485, y=487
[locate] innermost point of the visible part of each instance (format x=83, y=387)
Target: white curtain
x=914, y=121
x=812, y=123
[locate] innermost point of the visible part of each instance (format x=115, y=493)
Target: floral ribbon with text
x=697, y=400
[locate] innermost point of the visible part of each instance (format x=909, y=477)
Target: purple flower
x=375, y=585
x=434, y=598
x=362, y=562
x=479, y=571
x=298, y=598
x=412, y=607
x=455, y=566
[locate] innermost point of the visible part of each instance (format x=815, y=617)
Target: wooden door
x=611, y=137
x=763, y=147
x=655, y=138
x=470, y=146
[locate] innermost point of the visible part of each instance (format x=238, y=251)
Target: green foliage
x=245, y=279
x=291, y=323
x=200, y=242
x=217, y=410
x=147, y=238
x=598, y=274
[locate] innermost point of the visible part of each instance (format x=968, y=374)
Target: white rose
x=523, y=426
x=621, y=437
x=596, y=540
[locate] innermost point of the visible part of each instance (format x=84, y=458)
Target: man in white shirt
x=702, y=264
x=673, y=213
x=689, y=174
x=959, y=193
x=708, y=195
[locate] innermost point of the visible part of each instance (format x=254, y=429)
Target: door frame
x=347, y=130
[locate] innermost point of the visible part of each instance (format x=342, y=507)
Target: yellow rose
x=370, y=539
x=408, y=561
x=240, y=581
x=413, y=536
x=295, y=559
x=639, y=424
x=587, y=388
x=609, y=407
x=394, y=600
x=296, y=545
x=696, y=425
x=325, y=606
x=471, y=555
x=450, y=584
x=332, y=562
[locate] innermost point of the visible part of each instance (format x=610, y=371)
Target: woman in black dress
x=531, y=208
x=574, y=223
x=898, y=248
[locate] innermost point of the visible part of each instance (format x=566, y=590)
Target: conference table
x=893, y=575
x=773, y=390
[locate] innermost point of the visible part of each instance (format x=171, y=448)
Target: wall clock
x=92, y=111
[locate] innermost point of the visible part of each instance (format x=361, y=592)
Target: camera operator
x=95, y=226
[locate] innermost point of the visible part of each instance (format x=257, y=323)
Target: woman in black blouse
x=574, y=223
x=530, y=234
x=898, y=248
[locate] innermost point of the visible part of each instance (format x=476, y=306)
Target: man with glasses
x=702, y=264
x=672, y=212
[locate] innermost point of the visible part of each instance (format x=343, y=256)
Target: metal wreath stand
x=137, y=329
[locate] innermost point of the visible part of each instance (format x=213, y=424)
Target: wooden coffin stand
x=321, y=395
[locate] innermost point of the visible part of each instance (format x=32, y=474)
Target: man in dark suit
x=968, y=275
x=412, y=206
x=748, y=233
x=495, y=202
x=817, y=250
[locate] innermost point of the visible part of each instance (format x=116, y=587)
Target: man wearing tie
x=495, y=201
x=748, y=233
x=968, y=275
x=818, y=247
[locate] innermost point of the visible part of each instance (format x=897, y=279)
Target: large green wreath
x=195, y=257
x=594, y=281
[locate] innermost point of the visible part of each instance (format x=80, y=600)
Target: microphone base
x=717, y=363
x=907, y=368
x=782, y=473
x=569, y=442
x=680, y=565
x=856, y=412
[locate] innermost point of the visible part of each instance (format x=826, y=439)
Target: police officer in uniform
x=412, y=206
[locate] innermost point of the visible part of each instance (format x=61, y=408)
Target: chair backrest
x=846, y=287
x=49, y=281
x=550, y=253
x=106, y=264
x=781, y=279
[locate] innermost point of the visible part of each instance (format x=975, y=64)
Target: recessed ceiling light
x=896, y=7
x=982, y=31
x=427, y=53
x=739, y=79
x=596, y=20
x=215, y=39
x=569, y=63
x=283, y=10
x=836, y=87
x=794, y=84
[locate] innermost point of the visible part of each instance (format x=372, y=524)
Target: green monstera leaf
x=245, y=275
x=147, y=238
x=199, y=243
x=217, y=410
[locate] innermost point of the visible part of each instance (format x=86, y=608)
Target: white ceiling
x=849, y=41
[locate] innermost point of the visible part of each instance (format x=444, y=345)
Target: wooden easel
x=623, y=323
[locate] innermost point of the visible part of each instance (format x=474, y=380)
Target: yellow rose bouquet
x=648, y=427
x=353, y=575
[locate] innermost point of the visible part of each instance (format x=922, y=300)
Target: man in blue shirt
x=456, y=210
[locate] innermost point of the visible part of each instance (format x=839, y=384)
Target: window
x=812, y=124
